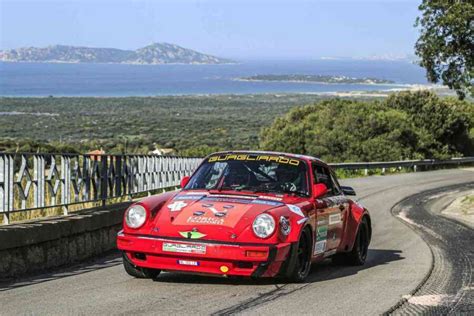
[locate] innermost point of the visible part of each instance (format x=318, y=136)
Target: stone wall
x=36, y=246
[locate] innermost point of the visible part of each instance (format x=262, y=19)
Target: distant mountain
x=156, y=53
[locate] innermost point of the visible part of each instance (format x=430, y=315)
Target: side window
x=322, y=175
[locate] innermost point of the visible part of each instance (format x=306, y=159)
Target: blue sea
x=41, y=79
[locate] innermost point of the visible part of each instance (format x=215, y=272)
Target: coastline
x=320, y=82
x=440, y=90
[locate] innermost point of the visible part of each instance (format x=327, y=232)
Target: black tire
x=138, y=272
x=358, y=254
x=299, y=261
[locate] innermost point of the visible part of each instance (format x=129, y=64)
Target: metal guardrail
x=39, y=181
x=402, y=163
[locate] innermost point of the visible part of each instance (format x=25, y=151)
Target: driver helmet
x=237, y=175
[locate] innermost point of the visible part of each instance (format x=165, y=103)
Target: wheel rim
x=363, y=242
x=303, y=259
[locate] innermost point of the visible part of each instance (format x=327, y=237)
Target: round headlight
x=263, y=225
x=136, y=216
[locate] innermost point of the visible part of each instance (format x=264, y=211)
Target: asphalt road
x=398, y=261
x=448, y=289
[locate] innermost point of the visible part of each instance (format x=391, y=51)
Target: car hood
x=210, y=216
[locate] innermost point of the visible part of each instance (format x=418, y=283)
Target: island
x=154, y=54
x=316, y=79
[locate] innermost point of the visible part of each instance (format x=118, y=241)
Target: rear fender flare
x=354, y=219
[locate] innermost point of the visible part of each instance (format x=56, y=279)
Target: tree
x=446, y=43
x=408, y=125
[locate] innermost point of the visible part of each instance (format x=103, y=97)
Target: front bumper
x=210, y=258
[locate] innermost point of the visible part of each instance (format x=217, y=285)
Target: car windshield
x=255, y=173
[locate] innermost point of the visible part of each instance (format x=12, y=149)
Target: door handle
x=341, y=207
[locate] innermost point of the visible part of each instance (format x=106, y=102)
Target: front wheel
x=299, y=261
x=138, y=272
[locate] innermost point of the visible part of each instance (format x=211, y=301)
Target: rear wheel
x=299, y=263
x=138, y=272
x=358, y=254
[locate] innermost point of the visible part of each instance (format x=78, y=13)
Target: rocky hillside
x=156, y=53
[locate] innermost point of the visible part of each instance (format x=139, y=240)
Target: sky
x=246, y=29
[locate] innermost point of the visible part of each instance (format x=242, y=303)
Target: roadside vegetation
x=192, y=125
x=407, y=125
x=467, y=204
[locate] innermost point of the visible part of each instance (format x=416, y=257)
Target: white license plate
x=184, y=248
x=188, y=262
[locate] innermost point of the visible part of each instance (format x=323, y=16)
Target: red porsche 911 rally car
x=255, y=214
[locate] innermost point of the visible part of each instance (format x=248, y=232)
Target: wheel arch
x=355, y=218
x=369, y=224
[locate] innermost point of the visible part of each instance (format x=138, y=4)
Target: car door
x=340, y=205
x=330, y=213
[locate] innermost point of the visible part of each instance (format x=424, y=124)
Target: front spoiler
x=147, y=252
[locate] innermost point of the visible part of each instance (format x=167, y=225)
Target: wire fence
x=40, y=181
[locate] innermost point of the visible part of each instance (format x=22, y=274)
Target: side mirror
x=348, y=190
x=184, y=181
x=319, y=190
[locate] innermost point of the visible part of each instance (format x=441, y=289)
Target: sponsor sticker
x=232, y=196
x=301, y=221
x=334, y=219
x=245, y=157
x=228, y=200
x=323, y=221
x=205, y=220
x=265, y=202
x=176, y=206
x=189, y=197
x=295, y=209
x=319, y=247
x=192, y=234
x=188, y=262
x=321, y=233
x=321, y=239
x=184, y=248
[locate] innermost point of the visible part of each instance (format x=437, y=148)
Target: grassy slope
x=226, y=121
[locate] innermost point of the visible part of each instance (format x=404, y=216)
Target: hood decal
x=176, y=206
x=196, y=208
x=210, y=214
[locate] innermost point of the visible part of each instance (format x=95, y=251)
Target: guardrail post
x=414, y=168
x=103, y=178
x=39, y=180
x=65, y=183
x=6, y=185
x=366, y=172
